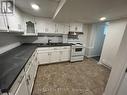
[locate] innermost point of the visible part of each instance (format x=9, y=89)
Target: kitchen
x=52, y=47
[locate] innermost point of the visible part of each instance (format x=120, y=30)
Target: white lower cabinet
x=31, y=73
x=65, y=55
x=30, y=78
x=22, y=89
x=53, y=54
x=43, y=57
x=25, y=81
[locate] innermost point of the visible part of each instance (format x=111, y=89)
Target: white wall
x=119, y=67
x=112, y=41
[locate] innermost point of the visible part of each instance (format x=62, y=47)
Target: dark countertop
x=13, y=61
x=52, y=44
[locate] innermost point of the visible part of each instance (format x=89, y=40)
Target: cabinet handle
x=27, y=81
x=76, y=28
x=20, y=79
x=29, y=77
x=126, y=70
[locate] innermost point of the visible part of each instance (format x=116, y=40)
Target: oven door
x=77, y=51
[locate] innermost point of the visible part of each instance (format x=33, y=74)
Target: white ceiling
x=47, y=7
x=86, y=11
x=89, y=11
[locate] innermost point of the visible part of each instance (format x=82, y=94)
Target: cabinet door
x=54, y=56
x=49, y=27
x=59, y=28
x=76, y=27
x=35, y=66
x=30, y=78
x=22, y=89
x=65, y=55
x=79, y=27
x=15, y=21
x=3, y=25
x=72, y=27
x=40, y=26
x=66, y=29
x=43, y=57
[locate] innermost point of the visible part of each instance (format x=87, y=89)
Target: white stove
x=77, y=52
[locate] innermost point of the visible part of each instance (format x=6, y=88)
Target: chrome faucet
x=49, y=41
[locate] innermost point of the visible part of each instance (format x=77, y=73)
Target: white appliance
x=77, y=52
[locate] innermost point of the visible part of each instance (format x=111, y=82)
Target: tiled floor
x=80, y=78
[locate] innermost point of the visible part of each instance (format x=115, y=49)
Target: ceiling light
x=35, y=6
x=102, y=18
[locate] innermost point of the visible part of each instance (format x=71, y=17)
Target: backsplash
x=43, y=39
x=8, y=41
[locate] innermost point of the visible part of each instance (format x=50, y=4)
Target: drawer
x=55, y=48
x=43, y=49
x=65, y=47
x=17, y=83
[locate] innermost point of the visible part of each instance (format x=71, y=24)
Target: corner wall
x=112, y=41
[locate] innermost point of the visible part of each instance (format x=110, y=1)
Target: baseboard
x=9, y=47
x=91, y=56
x=105, y=65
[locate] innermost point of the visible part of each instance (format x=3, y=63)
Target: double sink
x=53, y=44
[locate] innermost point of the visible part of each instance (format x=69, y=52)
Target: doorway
x=100, y=33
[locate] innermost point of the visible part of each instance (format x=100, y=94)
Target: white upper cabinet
x=66, y=28
x=49, y=27
x=29, y=25
x=62, y=28
x=15, y=21
x=40, y=25
x=76, y=27
x=12, y=22
x=59, y=28
x=45, y=25
x=3, y=25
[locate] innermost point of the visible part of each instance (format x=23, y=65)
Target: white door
x=22, y=89
x=123, y=87
x=43, y=57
